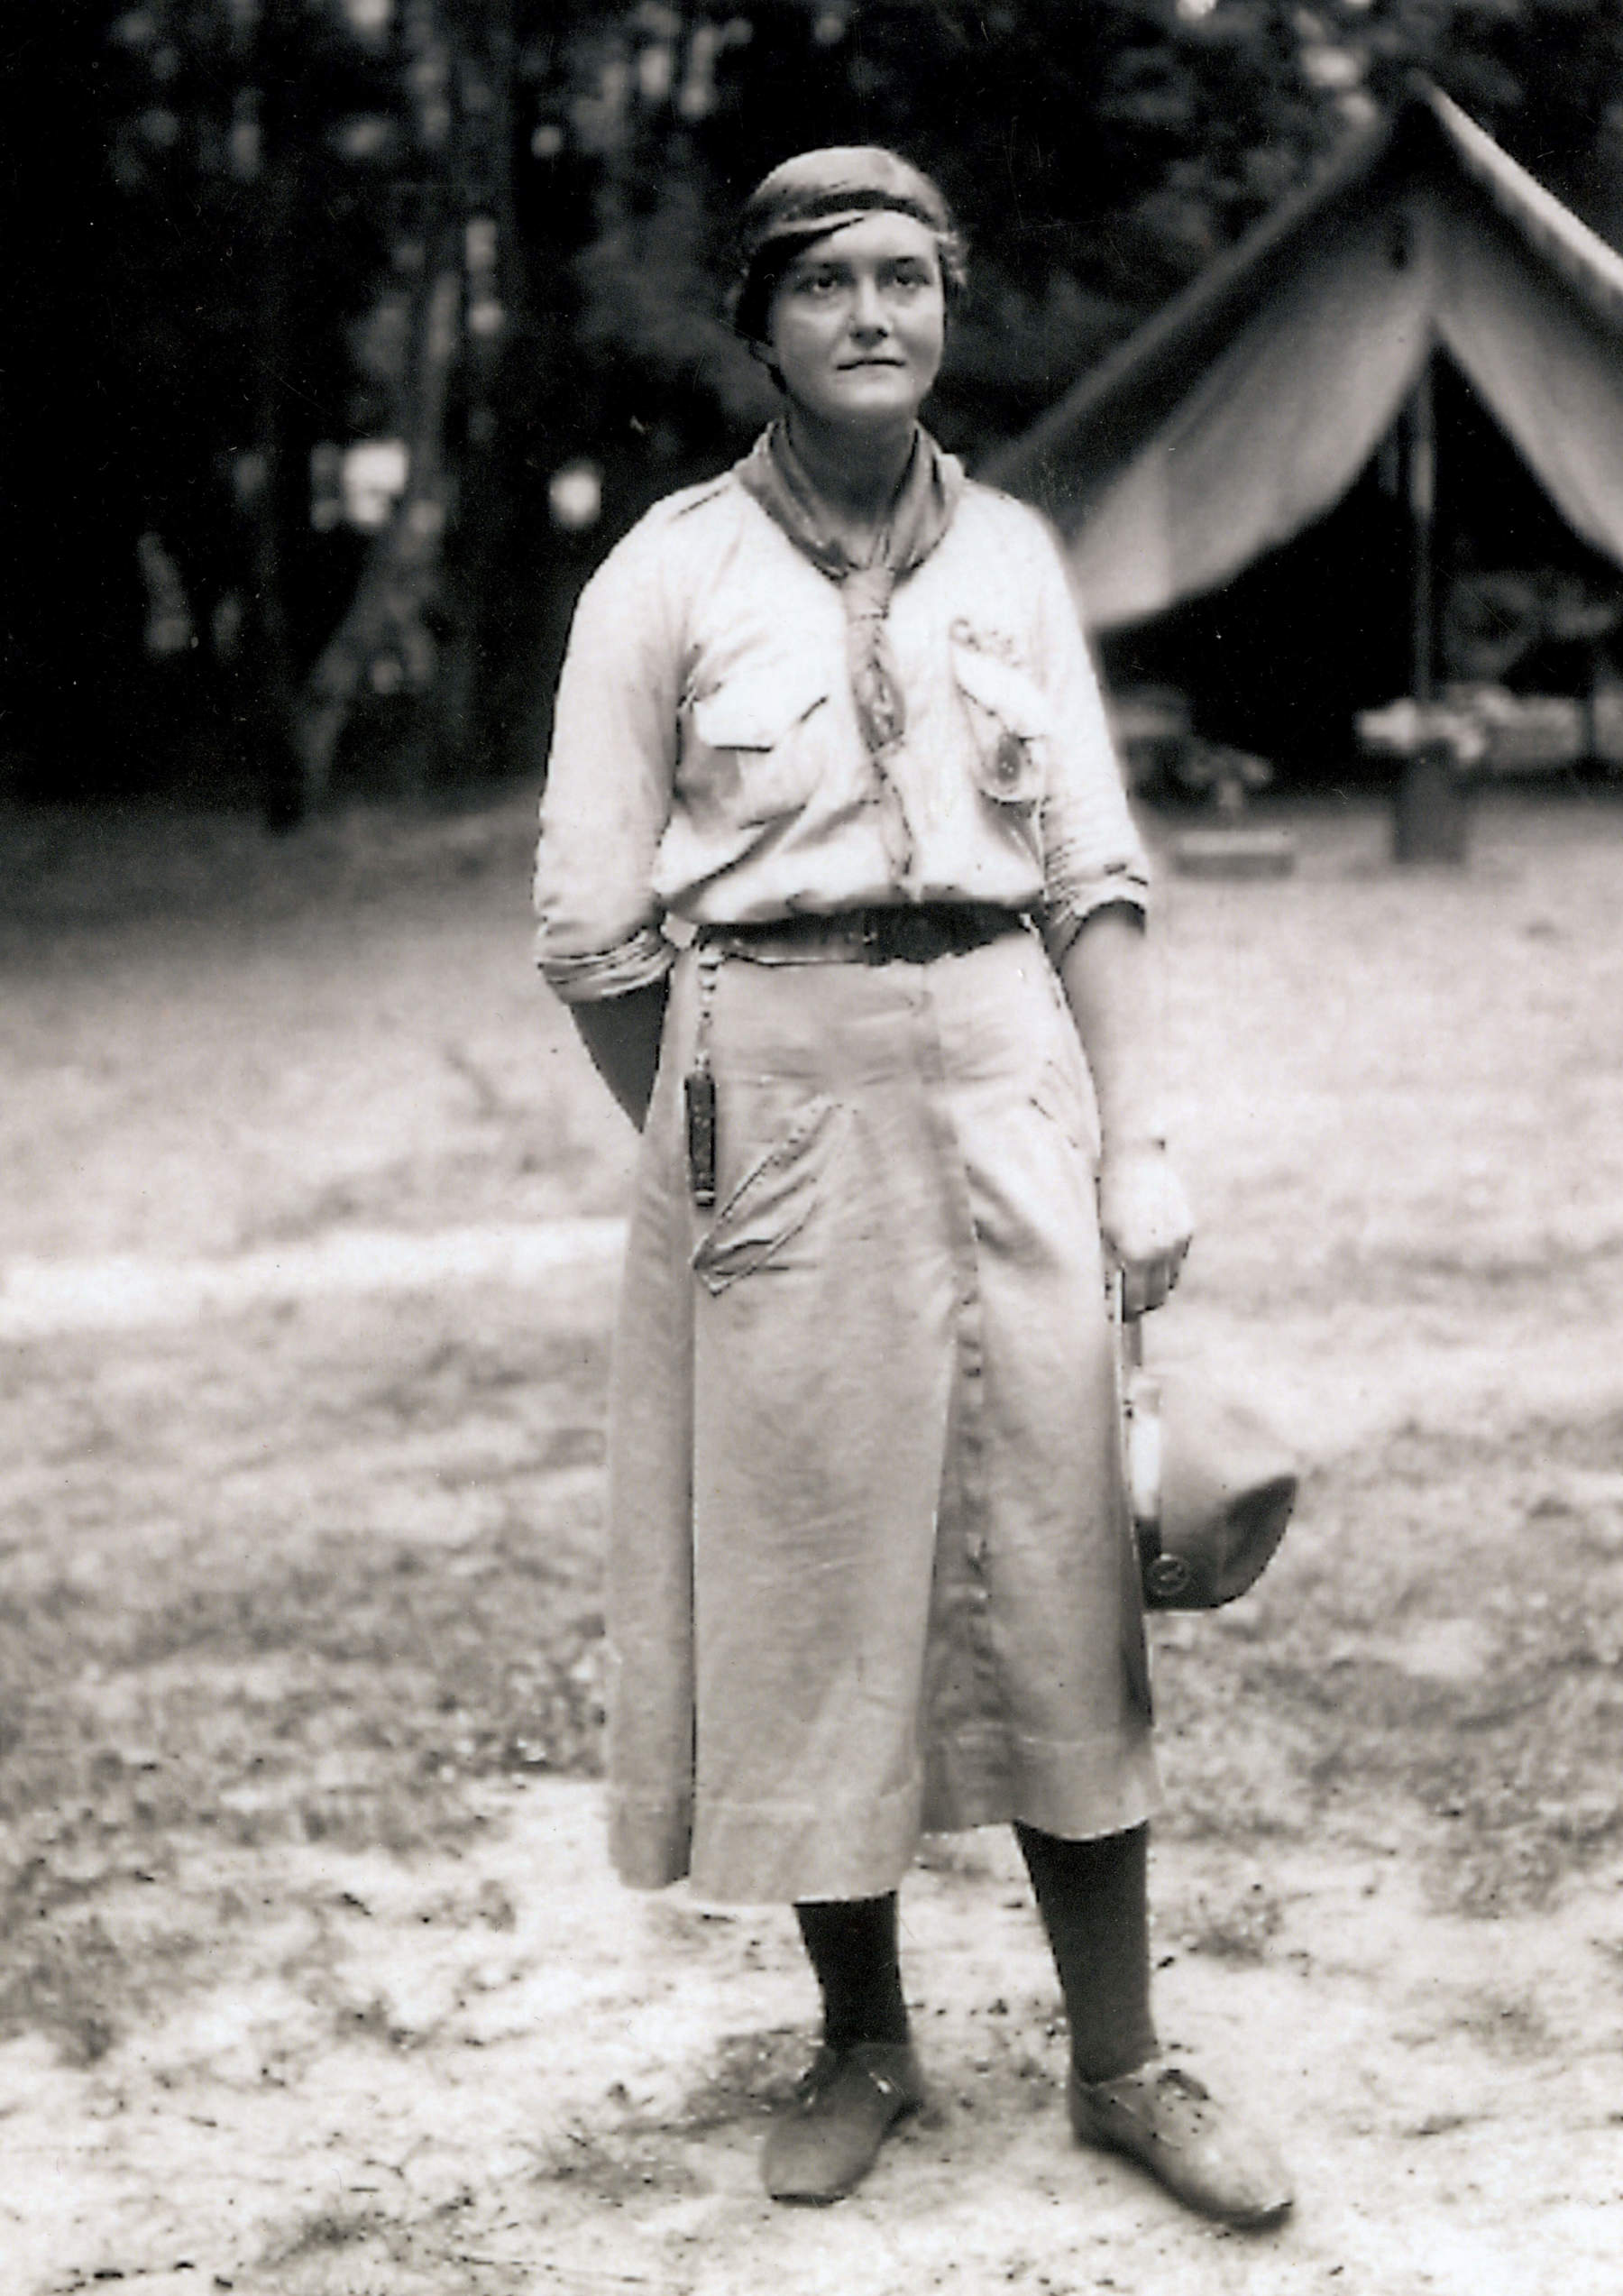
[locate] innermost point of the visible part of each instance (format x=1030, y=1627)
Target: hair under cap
x=817, y=192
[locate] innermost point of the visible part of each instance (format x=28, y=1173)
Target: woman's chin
x=875, y=404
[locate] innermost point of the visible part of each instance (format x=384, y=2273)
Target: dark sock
x=852, y=1945
x=1094, y=1899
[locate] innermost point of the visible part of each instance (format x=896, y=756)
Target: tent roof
x=1254, y=398
x=1581, y=256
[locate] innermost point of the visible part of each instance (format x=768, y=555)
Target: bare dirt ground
x=313, y=1981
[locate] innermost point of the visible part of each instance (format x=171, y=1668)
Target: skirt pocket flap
x=773, y=1200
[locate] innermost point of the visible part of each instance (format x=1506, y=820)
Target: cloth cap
x=820, y=191
x=1227, y=1489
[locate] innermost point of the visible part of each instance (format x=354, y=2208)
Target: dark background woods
x=250, y=235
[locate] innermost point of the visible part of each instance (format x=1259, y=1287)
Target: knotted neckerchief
x=919, y=518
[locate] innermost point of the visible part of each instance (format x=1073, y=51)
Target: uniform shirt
x=708, y=765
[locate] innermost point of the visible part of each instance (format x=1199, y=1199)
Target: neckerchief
x=920, y=516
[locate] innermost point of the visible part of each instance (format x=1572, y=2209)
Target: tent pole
x=1420, y=424
x=1430, y=821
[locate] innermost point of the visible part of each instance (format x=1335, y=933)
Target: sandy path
x=40, y=1298
x=503, y=2077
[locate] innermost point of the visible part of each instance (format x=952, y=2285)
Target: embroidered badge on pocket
x=1011, y=721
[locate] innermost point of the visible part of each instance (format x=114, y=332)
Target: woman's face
x=857, y=323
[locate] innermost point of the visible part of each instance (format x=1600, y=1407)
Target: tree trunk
x=390, y=611
x=477, y=601
x=393, y=611
x=267, y=666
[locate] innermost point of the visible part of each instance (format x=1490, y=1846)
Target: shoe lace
x=1188, y=2098
x=825, y=2068
x=816, y=2077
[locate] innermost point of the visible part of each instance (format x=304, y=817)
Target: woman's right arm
x=606, y=805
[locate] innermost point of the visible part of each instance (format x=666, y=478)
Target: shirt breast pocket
x=1011, y=725
x=753, y=747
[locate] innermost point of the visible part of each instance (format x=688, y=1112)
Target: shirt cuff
x=1060, y=916
x=638, y=963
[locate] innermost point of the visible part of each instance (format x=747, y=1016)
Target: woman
x=830, y=720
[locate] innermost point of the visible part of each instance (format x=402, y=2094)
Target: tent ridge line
x=1544, y=220
x=1203, y=299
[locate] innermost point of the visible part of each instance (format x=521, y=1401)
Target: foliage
x=496, y=230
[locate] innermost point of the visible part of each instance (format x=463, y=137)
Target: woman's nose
x=868, y=314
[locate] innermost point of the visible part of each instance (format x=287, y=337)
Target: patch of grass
x=336, y=2228
x=1313, y=1701
x=1239, y=1928
x=619, y=2165
x=374, y=2250
x=333, y=1652
x=751, y=2073
x=68, y=1979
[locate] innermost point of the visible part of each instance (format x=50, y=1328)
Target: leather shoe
x=826, y=2142
x=1163, y=2118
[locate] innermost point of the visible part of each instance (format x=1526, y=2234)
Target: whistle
x=699, y=1093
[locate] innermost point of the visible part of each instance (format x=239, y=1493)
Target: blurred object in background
x=169, y=622
x=373, y=475
x=1522, y=732
x=1164, y=758
x=1606, y=718
x=1437, y=745
x=574, y=496
x=1492, y=621
x=1489, y=730
x=356, y=486
x=1227, y=777
x=1151, y=726
x=1405, y=729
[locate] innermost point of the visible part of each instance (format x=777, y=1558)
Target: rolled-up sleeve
x=1093, y=854
x=609, y=783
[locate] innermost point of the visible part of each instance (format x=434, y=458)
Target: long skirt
x=869, y=1568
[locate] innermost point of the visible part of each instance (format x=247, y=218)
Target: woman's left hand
x=1144, y=1219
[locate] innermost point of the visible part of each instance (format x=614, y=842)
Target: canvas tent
x=1245, y=410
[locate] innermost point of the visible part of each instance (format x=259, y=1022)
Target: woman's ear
x=765, y=356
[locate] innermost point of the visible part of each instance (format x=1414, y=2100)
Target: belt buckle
x=915, y=936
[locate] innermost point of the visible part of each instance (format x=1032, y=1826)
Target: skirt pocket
x=775, y=1197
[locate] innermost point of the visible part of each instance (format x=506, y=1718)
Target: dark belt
x=916, y=934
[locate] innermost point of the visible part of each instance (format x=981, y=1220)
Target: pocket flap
x=755, y=707
x=773, y=1200
x=1012, y=696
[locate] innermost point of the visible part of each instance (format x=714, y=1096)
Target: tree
x=496, y=230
